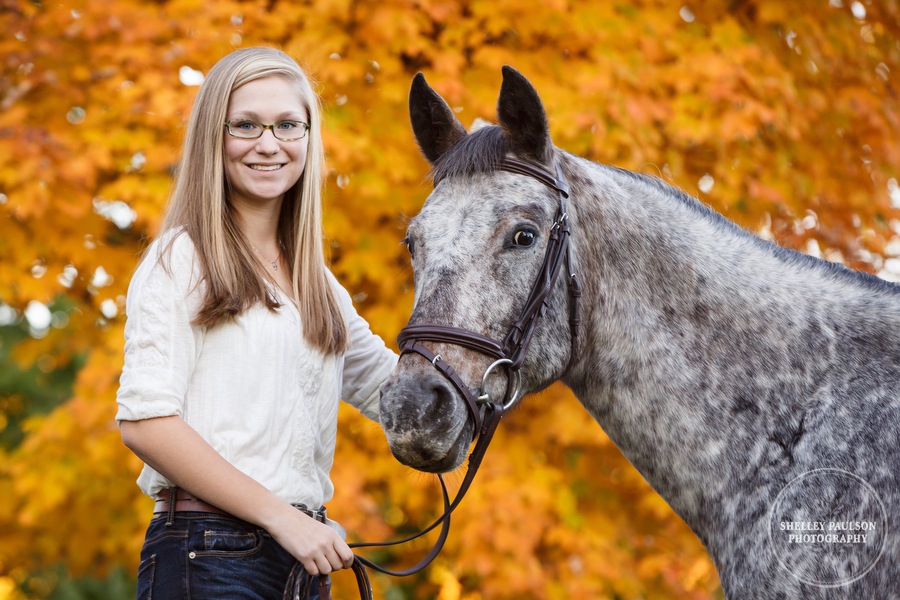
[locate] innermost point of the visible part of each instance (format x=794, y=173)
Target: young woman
x=239, y=343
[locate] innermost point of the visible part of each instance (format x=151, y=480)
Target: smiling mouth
x=265, y=167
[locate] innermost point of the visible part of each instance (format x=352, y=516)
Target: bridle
x=509, y=353
x=512, y=350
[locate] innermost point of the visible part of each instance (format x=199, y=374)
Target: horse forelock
x=479, y=152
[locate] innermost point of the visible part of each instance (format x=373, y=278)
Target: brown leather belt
x=184, y=502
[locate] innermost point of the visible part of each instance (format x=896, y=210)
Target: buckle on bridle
x=558, y=224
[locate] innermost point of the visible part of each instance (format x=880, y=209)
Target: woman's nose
x=267, y=143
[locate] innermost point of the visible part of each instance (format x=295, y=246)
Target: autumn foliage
x=782, y=115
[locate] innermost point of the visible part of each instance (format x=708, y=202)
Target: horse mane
x=831, y=269
x=483, y=150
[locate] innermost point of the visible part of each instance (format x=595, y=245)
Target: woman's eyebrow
x=290, y=115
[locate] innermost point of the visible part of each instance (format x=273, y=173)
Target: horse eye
x=524, y=237
x=409, y=245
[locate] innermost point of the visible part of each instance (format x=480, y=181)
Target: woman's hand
x=318, y=547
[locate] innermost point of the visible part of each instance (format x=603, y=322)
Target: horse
x=753, y=387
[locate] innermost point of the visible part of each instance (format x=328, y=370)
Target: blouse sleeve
x=161, y=345
x=367, y=362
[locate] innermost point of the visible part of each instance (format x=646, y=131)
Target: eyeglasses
x=286, y=131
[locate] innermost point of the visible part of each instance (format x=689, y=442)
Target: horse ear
x=522, y=116
x=433, y=122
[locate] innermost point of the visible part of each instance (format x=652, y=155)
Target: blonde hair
x=200, y=203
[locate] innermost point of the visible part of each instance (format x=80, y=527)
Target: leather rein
x=510, y=352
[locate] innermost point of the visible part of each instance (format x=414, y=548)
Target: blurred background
x=781, y=115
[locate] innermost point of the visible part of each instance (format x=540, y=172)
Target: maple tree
x=781, y=115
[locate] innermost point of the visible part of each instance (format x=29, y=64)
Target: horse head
x=477, y=247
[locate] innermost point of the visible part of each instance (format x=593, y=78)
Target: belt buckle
x=318, y=515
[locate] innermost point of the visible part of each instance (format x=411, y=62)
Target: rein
x=485, y=413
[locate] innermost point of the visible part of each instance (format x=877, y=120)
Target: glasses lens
x=289, y=130
x=245, y=129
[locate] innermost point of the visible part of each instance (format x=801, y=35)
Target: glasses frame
x=270, y=127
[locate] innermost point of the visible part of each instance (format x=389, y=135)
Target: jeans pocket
x=145, y=576
x=231, y=559
x=231, y=542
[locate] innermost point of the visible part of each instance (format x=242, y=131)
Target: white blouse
x=253, y=388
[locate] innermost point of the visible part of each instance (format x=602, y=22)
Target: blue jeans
x=204, y=556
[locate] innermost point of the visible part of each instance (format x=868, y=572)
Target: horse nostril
x=417, y=402
x=440, y=403
x=443, y=393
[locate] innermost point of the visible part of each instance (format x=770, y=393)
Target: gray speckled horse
x=753, y=387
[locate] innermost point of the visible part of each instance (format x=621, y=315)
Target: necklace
x=274, y=263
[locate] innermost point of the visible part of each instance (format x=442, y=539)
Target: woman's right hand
x=318, y=547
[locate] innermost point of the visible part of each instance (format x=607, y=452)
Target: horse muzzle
x=427, y=427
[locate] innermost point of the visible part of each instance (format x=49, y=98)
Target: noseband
x=512, y=350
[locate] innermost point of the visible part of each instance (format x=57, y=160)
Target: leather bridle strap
x=451, y=335
x=515, y=165
x=518, y=339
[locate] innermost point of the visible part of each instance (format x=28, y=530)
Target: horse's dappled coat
x=735, y=375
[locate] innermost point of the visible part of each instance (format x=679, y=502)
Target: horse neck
x=696, y=334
